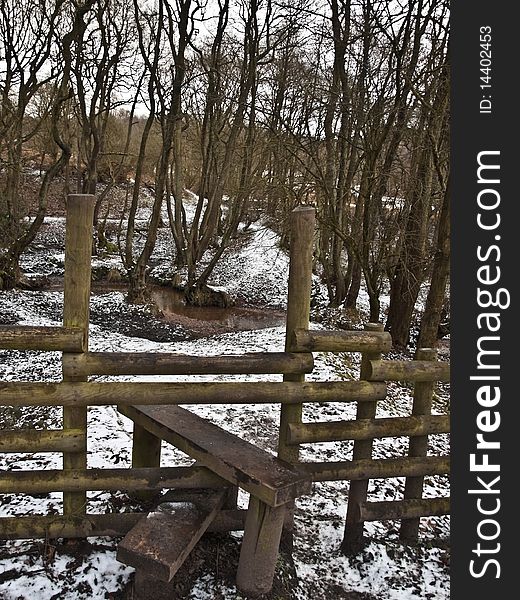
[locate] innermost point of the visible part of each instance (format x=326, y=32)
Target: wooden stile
x=273, y=482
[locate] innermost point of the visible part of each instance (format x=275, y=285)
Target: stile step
x=160, y=542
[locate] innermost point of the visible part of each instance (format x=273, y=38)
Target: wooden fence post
x=422, y=405
x=76, y=301
x=146, y=452
x=298, y=312
x=353, y=538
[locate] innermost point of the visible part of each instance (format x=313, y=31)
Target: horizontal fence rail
x=78, y=480
x=112, y=524
x=124, y=393
x=50, y=440
x=403, y=509
x=50, y=339
x=378, y=468
x=365, y=429
x=408, y=370
x=306, y=340
x=147, y=363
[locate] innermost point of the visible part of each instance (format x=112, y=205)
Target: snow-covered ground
x=384, y=570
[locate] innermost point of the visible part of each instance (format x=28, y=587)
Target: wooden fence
x=75, y=393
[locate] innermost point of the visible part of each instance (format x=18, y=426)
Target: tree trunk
x=441, y=269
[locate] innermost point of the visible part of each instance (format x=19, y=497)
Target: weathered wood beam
x=418, y=445
x=36, y=440
x=403, y=509
x=273, y=481
x=158, y=545
x=127, y=393
x=341, y=341
x=377, y=468
x=46, y=339
x=76, y=310
x=408, y=370
x=148, y=363
x=80, y=480
x=365, y=429
x=259, y=552
x=362, y=450
x=111, y=524
x=299, y=287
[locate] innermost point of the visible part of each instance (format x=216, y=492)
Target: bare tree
x=29, y=65
x=427, y=181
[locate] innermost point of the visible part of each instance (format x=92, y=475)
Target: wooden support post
x=298, y=312
x=262, y=533
x=353, y=538
x=422, y=405
x=146, y=452
x=76, y=299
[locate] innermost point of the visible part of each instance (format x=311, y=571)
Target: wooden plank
x=377, y=468
x=163, y=363
x=110, y=524
x=408, y=370
x=341, y=341
x=364, y=429
x=46, y=339
x=79, y=480
x=239, y=462
x=403, y=509
x=161, y=542
x=125, y=393
x=35, y=440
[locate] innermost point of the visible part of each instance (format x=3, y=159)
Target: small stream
x=172, y=305
x=175, y=320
